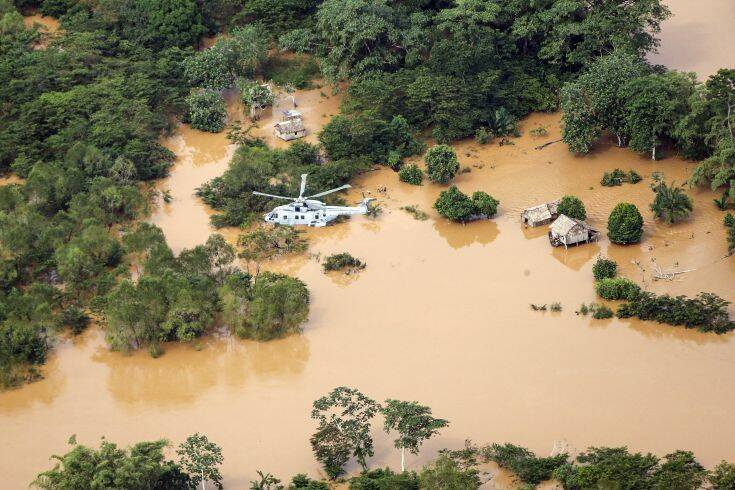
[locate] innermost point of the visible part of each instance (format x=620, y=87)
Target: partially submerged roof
x=564, y=224
x=542, y=212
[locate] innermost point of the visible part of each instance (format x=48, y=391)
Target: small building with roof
x=542, y=214
x=569, y=231
x=291, y=126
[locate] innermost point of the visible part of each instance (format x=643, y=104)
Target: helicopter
x=308, y=211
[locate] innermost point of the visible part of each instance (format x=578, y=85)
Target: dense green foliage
x=411, y=174
x=670, y=203
x=604, y=268
x=625, y=224
x=599, y=467
x=206, y=110
x=706, y=312
x=573, y=207
x=616, y=288
x=385, y=479
x=454, y=205
x=413, y=422
x=367, y=136
x=523, y=463
x=141, y=467
x=441, y=163
x=457, y=67
x=273, y=306
x=448, y=474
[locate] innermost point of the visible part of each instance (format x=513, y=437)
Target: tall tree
x=201, y=458
x=350, y=412
x=414, y=424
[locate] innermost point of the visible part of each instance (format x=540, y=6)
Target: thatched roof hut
x=541, y=214
x=569, y=231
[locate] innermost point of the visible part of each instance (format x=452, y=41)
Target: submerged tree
x=625, y=224
x=441, y=164
x=414, y=424
x=573, y=207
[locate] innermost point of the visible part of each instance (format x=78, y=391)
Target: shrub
x=555, y=306
x=611, y=179
x=616, y=288
x=483, y=136
x=385, y=479
x=485, y=204
x=707, y=312
x=573, y=207
x=414, y=211
x=411, y=174
x=206, y=110
x=446, y=473
x=524, y=463
x=729, y=220
x=342, y=261
x=634, y=177
x=604, y=268
x=74, y=317
x=670, y=203
x=625, y=224
x=304, y=482
x=539, y=131
x=441, y=164
x=601, y=312
x=455, y=205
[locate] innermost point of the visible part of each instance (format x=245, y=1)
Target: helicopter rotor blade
x=346, y=186
x=274, y=196
x=303, y=185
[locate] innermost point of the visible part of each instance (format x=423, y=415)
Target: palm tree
x=671, y=204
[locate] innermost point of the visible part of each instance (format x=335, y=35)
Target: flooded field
x=698, y=37
x=440, y=315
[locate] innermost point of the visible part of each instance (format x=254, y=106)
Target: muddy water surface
x=698, y=37
x=441, y=315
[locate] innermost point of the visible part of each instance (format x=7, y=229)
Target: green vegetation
x=625, y=224
x=141, y=466
x=457, y=206
x=441, y=164
x=617, y=177
x=604, y=268
x=573, y=207
x=413, y=423
x=729, y=223
x=268, y=242
x=616, y=288
x=670, y=203
x=411, y=174
x=342, y=261
x=368, y=137
x=273, y=306
x=344, y=417
x=602, y=312
x=706, y=312
x=529, y=468
x=206, y=110
x=414, y=211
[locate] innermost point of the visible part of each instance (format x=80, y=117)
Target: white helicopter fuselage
x=310, y=212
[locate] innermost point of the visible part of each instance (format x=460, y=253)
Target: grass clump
x=618, y=177
x=414, y=211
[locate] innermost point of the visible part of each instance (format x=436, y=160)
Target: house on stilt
x=569, y=231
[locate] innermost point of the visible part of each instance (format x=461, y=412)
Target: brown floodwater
x=698, y=37
x=440, y=315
